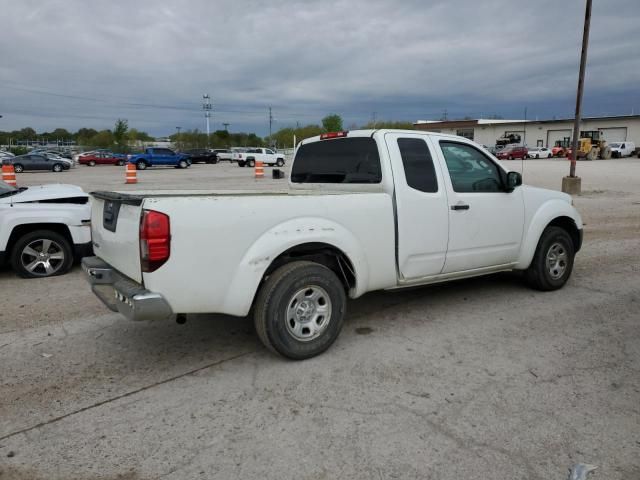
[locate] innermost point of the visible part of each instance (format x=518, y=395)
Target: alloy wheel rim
x=557, y=260
x=308, y=313
x=42, y=257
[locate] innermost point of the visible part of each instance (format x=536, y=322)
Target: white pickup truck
x=252, y=155
x=365, y=210
x=43, y=229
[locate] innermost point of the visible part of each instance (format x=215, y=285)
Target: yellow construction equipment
x=591, y=147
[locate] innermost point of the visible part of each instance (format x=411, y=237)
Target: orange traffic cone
x=130, y=173
x=259, y=171
x=9, y=175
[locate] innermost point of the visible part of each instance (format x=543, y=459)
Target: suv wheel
x=553, y=261
x=141, y=165
x=42, y=253
x=183, y=164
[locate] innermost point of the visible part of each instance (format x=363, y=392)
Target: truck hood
x=55, y=191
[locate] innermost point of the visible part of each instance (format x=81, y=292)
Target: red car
x=102, y=158
x=512, y=152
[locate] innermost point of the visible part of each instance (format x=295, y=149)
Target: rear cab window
x=342, y=160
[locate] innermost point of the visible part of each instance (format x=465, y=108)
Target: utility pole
x=270, y=123
x=206, y=106
x=178, y=137
x=573, y=184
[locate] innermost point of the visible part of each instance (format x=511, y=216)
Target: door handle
x=460, y=206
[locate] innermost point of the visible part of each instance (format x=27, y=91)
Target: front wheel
x=553, y=261
x=183, y=164
x=251, y=163
x=18, y=168
x=120, y=163
x=57, y=167
x=300, y=310
x=141, y=165
x=42, y=253
x=92, y=163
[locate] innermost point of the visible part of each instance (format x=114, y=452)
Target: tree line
x=124, y=139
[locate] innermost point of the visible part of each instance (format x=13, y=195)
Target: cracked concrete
x=475, y=379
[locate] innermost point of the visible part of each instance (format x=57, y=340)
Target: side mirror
x=514, y=179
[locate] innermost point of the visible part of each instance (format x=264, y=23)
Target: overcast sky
x=75, y=63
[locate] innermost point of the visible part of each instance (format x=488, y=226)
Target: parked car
x=4, y=155
x=539, y=152
x=31, y=161
x=102, y=158
x=512, y=153
x=57, y=158
x=203, y=155
x=252, y=155
x=622, y=149
x=365, y=210
x=222, y=154
x=48, y=232
x=160, y=157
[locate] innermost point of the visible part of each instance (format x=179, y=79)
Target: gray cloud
x=74, y=63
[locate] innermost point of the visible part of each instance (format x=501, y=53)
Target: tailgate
x=115, y=230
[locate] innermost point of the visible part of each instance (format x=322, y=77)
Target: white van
x=622, y=149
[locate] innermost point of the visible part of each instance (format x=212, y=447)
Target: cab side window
x=470, y=170
x=418, y=164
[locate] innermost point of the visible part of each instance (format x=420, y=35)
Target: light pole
x=573, y=184
x=206, y=106
x=178, y=137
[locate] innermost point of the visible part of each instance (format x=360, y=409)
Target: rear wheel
x=251, y=163
x=42, y=253
x=120, y=163
x=183, y=164
x=141, y=165
x=510, y=157
x=280, y=162
x=300, y=310
x=18, y=168
x=92, y=163
x=57, y=167
x=553, y=261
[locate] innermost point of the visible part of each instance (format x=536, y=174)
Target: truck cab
x=156, y=156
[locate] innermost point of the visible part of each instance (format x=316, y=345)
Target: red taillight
x=328, y=135
x=155, y=240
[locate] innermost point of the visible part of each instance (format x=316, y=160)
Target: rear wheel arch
x=321, y=253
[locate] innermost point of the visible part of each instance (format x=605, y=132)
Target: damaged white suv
x=43, y=229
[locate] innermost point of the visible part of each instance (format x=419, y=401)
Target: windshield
x=347, y=160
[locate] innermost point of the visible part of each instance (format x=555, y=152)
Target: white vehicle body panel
x=24, y=208
x=265, y=155
x=222, y=243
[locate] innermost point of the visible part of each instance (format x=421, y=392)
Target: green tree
x=120, y=134
x=383, y=124
x=332, y=123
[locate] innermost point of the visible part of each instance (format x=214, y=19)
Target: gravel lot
x=479, y=379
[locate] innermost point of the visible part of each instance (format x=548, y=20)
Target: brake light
x=155, y=240
x=326, y=136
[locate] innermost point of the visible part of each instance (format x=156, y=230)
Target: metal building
x=537, y=133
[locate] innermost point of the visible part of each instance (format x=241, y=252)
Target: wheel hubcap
x=42, y=257
x=308, y=313
x=557, y=260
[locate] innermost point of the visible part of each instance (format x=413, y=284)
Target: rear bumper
x=123, y=295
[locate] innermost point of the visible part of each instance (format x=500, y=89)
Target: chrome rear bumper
x=121, y=294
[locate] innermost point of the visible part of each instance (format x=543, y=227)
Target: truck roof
x=371, y=132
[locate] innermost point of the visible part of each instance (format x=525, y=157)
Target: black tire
x=141, y=165
x=57, y=167
x=120, y=163
x=59, y=245
x=510, y=157
x=280, y=162
x=18, y=168
x=274, y=302
x=92, y=163
x=251, y=163
x=542, y=276
x=183, y=164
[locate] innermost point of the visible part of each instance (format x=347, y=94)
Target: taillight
x=326, y=136
x=155, y=240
